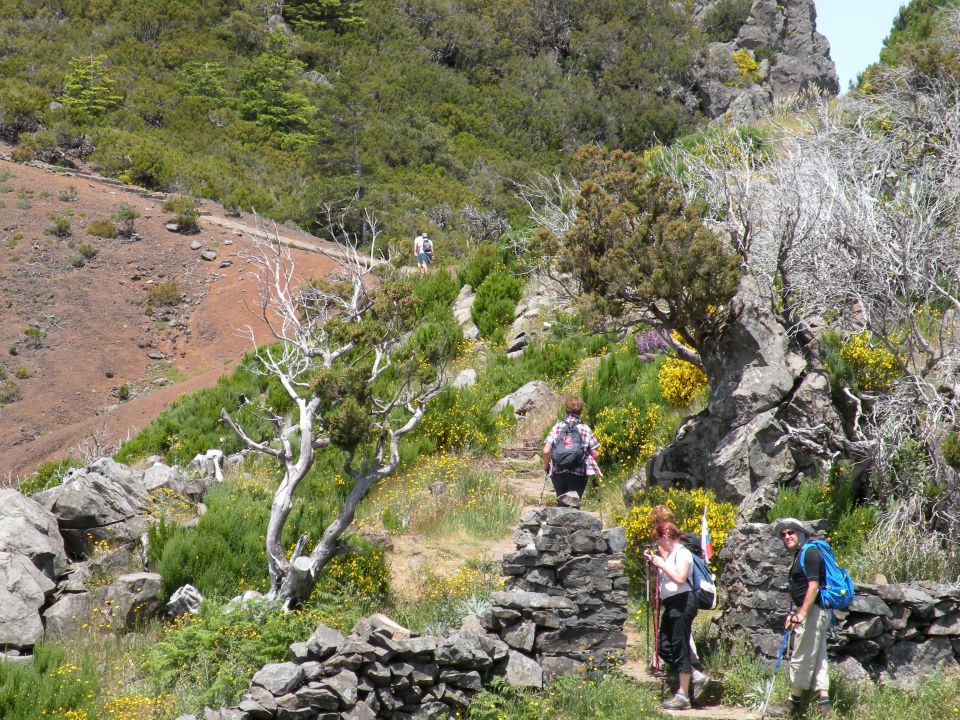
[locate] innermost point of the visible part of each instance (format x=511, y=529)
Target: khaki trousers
x=808, y=666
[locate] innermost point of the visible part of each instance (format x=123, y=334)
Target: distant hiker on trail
x=570, y=455
x=423, y=250
x=673, y=563
x=809, y=623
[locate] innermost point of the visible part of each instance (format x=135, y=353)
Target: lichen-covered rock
x=27, y=528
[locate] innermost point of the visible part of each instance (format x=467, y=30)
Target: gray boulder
x=534, y=395
x=462, y=312
x=23, y=591
x=131, y=599
x=98, y=503
x=800, y=62
x=26, y=528
x=65, y=617
x=465, y=378
x=523, y=671
x=186, y=599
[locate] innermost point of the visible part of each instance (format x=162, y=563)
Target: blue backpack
x=836, y=591
x=704, y=584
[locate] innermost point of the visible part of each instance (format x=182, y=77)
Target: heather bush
x=59, y=226
x=723, y=21
x=496, y=299
x=102, y=227
x=9, y=392
x=951, y=450
x=50, y=685
x=165, y=293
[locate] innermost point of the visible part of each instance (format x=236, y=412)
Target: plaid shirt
x=586, y=437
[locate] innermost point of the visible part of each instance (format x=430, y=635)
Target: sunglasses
x=786, y=533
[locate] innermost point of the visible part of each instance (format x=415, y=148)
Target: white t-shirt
x=668, y=587
x=418, y=244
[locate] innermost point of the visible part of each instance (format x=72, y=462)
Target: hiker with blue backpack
x=570, y=455
x=817, y=586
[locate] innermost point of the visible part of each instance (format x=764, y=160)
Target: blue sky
x=855, y=29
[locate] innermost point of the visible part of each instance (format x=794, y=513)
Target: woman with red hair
x=673, y=564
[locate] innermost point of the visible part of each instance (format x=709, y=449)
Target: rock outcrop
x=762, y=384
x=791, y=57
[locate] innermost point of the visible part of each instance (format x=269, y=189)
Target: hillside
x=94, y=332
x=428, y=113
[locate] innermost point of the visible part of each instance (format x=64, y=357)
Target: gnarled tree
x=638, y=251
x=352, y=382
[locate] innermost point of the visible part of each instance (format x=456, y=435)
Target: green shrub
x=34, y=336
x=13, y=349
x=22, y=373
x=47, y=475
x=186, y=211
x=724, y=20
x=59, y=226
x=102, y=227
x=87, y=251
x=77, y=261
x=208, y=660
x=192, y=424
x=435, y=294
x=495, y=302
x=124, y=217
x=68, y=194
x=478, y=265
x=48, y=685
x=833, y=500
x=123, y=392
x=9, y=392
x=951, y=450
x=164, y=294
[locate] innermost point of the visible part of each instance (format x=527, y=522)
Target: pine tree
x=88, y=88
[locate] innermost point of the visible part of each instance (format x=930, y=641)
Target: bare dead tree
x=855, y=217
x=347, y=322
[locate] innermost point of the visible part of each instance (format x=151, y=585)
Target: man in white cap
x=810, y=622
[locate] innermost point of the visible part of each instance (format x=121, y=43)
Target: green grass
x=610, y=696
x=476, y=505
x=49, y=686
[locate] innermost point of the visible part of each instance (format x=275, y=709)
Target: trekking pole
x=646, y=647
x=776, y=669
x=656, y=625
x=543, y=488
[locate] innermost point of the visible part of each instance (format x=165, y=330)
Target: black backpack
x=691, y=541
x=569, y=453
x=427, y=246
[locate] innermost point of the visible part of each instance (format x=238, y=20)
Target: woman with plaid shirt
x=572, y=480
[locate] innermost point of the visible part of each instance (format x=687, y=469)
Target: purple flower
x=650, y=344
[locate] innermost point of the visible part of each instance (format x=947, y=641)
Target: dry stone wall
x=563, y=609
x=895, y=633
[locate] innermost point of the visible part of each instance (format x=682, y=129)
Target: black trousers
x=564, y=482
x=676, y=625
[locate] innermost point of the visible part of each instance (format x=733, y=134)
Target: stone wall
x=891, y=633
x=563, y=609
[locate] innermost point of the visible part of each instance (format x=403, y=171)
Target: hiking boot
x=825, y=708
x=677, y=702
x=569, y=500
x=789, y=708
x=699, y=684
